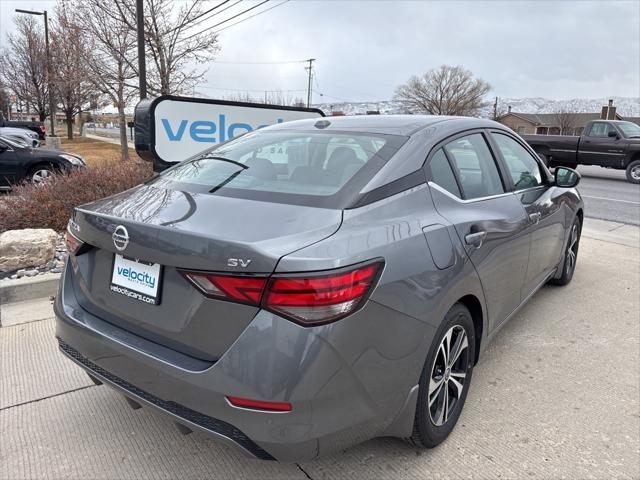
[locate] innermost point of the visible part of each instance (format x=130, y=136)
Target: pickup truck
x=607, y=143
x=34, y=126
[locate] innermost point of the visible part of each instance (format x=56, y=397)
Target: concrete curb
x=28, y=288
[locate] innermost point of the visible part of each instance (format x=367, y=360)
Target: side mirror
x=566, y=177
x=613, y=134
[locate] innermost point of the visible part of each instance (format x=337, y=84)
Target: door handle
x=475, y=239
x=535, y=217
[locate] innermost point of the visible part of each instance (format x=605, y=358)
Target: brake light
x=241, y=289
x=308, y=299
x=73, y=243
x=320, y=298
x=259, y=404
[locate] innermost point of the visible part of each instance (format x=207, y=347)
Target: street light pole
x=142, y=66
x=52, y=105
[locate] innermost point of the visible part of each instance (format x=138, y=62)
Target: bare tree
x=23, y=65
x=69, y=54
x=172, y=42
x=5, y=101
x=108, y=53
x=566, y=120
x=447, y=90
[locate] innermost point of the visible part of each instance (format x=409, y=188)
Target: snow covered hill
x=627, y=106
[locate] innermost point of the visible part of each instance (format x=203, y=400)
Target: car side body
x=24, y=135
x=605, y=143
x=29, y=125
x=19, y=162
x=348, y=380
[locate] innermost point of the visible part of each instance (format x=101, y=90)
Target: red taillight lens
x=241, y=289
x=260, y=405
x=316, y=299
x=73, y=243
x=307, y=299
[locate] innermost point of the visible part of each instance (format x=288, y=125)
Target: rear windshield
x=311, y=168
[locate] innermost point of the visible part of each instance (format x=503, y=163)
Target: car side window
x=522, y=166
x=601, y=129
x=475, y=166
x=441, y=174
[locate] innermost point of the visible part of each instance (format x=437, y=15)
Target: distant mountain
x=627, y=106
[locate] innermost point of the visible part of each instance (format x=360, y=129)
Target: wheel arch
x=475, y=308
x=43, y=163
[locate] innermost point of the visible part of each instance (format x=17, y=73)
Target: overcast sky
x=364, y=49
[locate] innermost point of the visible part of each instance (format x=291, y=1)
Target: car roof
x=389, y=124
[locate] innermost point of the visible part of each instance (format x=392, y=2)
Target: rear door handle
x=535, y=217
x=475, y=239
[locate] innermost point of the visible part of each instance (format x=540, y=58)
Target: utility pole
x=142, y=65
x=310, y=69
x=52, y=105
x=495, y=109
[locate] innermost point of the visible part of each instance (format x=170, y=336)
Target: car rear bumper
x=340, y=397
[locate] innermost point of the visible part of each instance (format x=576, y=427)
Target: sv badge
x=238, y=262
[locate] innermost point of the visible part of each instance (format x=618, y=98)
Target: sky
x=364, y=49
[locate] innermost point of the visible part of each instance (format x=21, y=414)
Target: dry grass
x=95, y=152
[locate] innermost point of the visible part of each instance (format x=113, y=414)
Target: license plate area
x=136, y=279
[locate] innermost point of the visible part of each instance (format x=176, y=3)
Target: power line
x=260, y=63
x=216, y=13
x=201, y=15
x=254, y=15
x=225, y=21
x=250, y=90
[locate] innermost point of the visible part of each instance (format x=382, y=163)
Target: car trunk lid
x=181, y=230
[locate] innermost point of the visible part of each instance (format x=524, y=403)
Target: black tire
x=40, y=173
x=570, y=255
x=427, y=433
x=633, y=172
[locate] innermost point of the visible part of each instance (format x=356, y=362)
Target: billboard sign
x=170, y=129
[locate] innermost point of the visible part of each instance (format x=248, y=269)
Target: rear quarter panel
x=385, y=344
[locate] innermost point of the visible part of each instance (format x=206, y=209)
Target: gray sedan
x=314, y=284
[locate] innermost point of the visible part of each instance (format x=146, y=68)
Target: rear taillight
x=241, y=289
x=320, y=298
x=306, y=298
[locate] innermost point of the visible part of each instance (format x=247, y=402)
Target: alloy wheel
x=635, y=173
x=572, y=250
x=41, y=176
x=448, y=375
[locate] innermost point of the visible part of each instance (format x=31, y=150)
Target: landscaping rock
x=29, y=247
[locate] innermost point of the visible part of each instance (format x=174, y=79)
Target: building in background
x=561, y=123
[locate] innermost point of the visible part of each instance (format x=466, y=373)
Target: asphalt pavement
x=608, y=196
x=556, y=395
